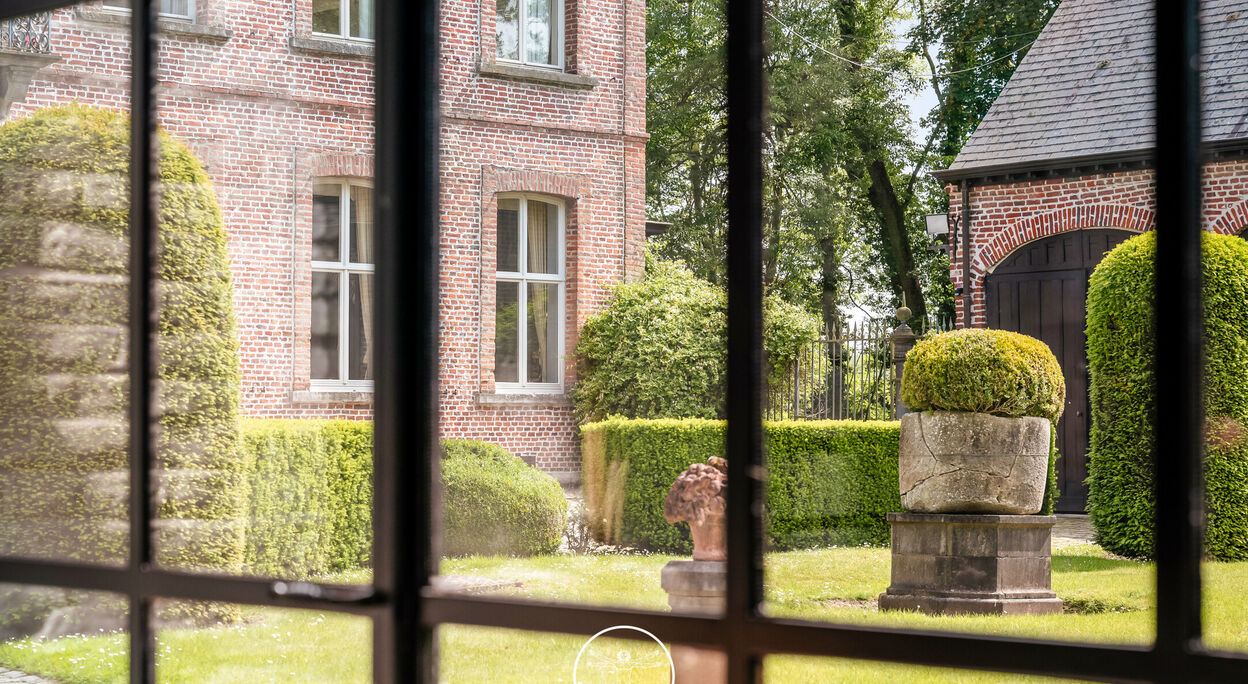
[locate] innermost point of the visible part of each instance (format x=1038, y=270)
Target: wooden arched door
x=1041, y=290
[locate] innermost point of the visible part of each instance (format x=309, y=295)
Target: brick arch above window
x=496, y=179
x=1233, y=221
x=342, y=165
x=1127, y=217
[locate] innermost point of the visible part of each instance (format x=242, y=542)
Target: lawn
x=1108, y=600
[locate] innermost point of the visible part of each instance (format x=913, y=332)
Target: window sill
x=332, y=396
x=219, y=34
x=521, y=400
x=340, y=47
x=519, y=72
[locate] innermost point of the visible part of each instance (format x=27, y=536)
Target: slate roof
x=1085, y=89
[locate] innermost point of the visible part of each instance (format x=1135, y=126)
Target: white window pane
x=325, y=16
x=361, y=225
x=326, y=221
x=360, y=350
x=543, y=332
x=509, y=235
x=539, y=32
x=507, y=28
x=507, y=333
x=543, y=237
x=182, y=8
x=361, y=18
x=325, y=326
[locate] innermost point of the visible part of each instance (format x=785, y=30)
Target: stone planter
x=959, y=462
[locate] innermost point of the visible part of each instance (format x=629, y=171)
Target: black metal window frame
x=404, y=609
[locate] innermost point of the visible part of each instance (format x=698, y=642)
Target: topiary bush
x=829, y=482
x=1122, y=361
x=658, y=350
x=64, y=233
x=496, y=504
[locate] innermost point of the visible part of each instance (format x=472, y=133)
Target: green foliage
x=986, y=371
x=1122, y=361
x=829, y=482
x=310, y=509
x=64, y=227
x=658, y=349
x=495, y=504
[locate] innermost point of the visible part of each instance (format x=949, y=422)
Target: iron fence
x=31, y=33
x=844, y=374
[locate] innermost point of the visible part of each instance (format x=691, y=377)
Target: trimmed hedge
x=1122, y=361
x=496, y=504
x=829, y=482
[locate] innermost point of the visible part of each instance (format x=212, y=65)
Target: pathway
x=15, y=677
x=1073, y=529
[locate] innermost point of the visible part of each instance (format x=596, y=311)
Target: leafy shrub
x=984, y=371
x=829, y=482
x=658, y=350
x=311, y=485
x=496, y=504
x=1122, y=362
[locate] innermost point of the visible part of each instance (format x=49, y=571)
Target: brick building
x=543, y=143
x=1060, y=171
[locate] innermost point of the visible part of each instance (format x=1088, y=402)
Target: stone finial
x=698, y=498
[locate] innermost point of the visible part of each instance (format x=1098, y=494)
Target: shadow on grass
x=1078, y=563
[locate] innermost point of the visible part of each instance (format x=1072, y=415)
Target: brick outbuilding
x=1060, y=171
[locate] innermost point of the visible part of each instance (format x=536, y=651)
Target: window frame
x=557, y=38
x=189, y=16
x=523, y=277
x=405, y=607
x=344, y=267
x=344, y=24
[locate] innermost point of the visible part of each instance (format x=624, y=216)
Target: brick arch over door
x=1122, y=216
x=1040, y=290
x=1233, y=221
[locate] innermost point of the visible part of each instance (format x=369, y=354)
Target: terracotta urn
x=698, y=497
x=962, y=462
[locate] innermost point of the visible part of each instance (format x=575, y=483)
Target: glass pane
x=539, y=39
x=117, y=3
x=543, y=332
x=511, y=656
x=325, y=16
x=326, y=221
x=64, y=283
x=509, y=235
x=224, y=642
x=362, y=325
x=507, y=28
x=48, y=634
x=361, y=225
x=325, y=330
x=181, y=8
x=507, y=333
x=361, y=18
x=788, y=668
x=543, y=237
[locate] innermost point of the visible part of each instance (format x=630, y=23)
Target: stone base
x=945, y=564
x=697, y=587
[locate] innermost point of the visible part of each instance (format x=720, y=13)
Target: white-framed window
x=530, y=32
x=181, y=9
x=343, y=18
x=342, y=284
x=528, y=295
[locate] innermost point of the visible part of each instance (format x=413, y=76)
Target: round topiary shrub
x=659, y=348
x=984, y=371
x=496, y=504
x=64, y=233
x=989, y=371
x=1122, y=360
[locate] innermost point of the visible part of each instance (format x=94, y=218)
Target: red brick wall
x=1006, y=216
x=267, y=118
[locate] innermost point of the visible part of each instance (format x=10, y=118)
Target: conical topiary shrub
x=64, y=233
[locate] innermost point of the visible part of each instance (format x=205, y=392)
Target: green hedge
x=496, y=504
x=1122, y=361
x=829, y=482
x=311, y=496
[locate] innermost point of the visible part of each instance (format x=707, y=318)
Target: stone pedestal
x=978, y=564
x=698, y=587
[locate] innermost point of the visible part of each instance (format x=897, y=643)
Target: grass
x=1108, y=600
